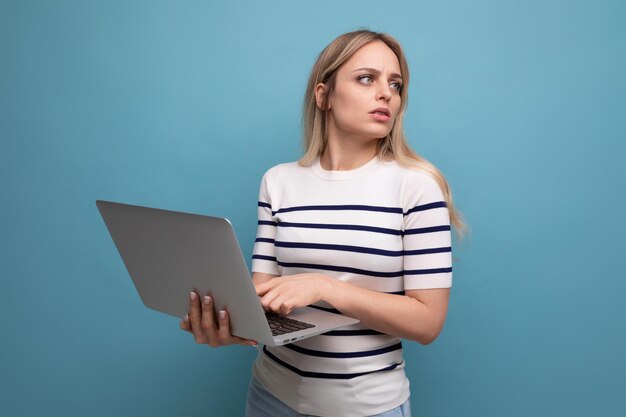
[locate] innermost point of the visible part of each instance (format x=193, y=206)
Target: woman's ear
x=321, y=96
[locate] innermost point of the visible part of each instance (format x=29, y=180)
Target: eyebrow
x=375, y=71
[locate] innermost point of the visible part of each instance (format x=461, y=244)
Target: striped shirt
x=380, y=226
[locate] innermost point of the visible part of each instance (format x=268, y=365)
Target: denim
x=261, y=403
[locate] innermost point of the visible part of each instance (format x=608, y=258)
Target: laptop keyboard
x=282, y=325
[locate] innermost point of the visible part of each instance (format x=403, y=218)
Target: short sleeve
x=426, y=235
x=263, y=255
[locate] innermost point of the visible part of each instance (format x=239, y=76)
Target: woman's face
x=366, y=99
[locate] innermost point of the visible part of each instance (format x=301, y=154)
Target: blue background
x=184, y=105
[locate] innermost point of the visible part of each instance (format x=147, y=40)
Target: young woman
x=360, y=224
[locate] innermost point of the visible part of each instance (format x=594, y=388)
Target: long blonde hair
x=392, y=146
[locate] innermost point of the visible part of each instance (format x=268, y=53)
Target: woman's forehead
x=376, y=55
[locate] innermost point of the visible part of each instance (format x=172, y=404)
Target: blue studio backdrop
x=184, y=105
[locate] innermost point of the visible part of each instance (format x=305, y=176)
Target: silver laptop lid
x=169, y=253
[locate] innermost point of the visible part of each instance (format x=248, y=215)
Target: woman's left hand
x=282, y=294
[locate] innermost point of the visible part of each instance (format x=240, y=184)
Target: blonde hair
x=394, y=146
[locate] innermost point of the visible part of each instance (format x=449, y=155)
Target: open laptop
x=168, y=254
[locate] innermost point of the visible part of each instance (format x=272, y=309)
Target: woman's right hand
x=205, y=329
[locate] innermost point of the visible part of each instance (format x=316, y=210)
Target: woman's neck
x=343, y=157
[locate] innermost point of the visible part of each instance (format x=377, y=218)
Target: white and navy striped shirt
x=380, y=226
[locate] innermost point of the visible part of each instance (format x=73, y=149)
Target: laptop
x=168, y=254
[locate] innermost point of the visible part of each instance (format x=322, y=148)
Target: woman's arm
x=261, y=277
x=418, y=315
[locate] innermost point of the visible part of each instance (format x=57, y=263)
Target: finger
x=185, y=325
x=274, y=299
x=195, y=317
x=226, y=338
x=208, y=321
x=281, y=305
x=224, y=329
x=245, y=342
x=268, y=298
x=249, y=342
x=241, y=341
x=286, y=309
x=263, y=288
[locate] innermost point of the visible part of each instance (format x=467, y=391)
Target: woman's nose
x=384, y=92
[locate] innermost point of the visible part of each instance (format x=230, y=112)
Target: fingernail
x=207, y=300
x=187, y=317
x=193, y=296
x=222, y=314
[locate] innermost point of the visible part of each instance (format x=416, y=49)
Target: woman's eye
x=369, y=79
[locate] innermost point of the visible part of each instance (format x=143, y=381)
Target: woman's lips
x=380, y=116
